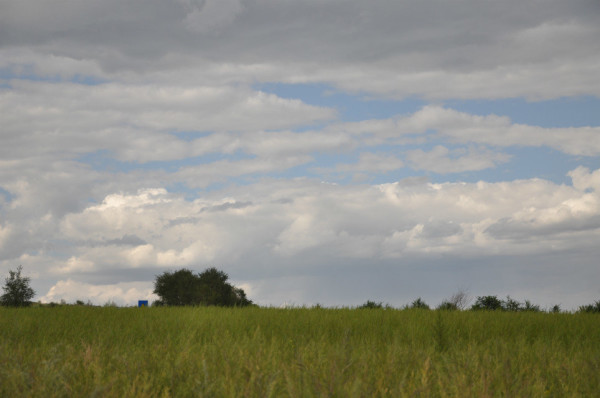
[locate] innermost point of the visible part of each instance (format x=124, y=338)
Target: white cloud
x=503, y=81
x=75, y=264
x=583, y=179
x=120, y=293
x=4, y=234
x=286, y=144
x=372, y=162
x=219, y=171
x=465, y=128
x=383, y=220
x=499, y=131
x=70, y=119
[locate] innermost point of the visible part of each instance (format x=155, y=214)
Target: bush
x=370, y=305
x=419, y=304
x=528, y=306
x=447, y=306
x=511, y=305
x=590, y=308
x=493, y=303
x=460, y=299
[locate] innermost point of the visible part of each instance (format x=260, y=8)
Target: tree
x=177, y=288
x=458, y=301
x=17, y=292
x=214, y=289
x=210, y=287
x=490, y=303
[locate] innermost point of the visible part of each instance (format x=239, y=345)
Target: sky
x=318, y=152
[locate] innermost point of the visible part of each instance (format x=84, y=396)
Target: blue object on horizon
x=142, y=303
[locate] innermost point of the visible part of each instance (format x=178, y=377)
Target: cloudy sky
x=326, y=152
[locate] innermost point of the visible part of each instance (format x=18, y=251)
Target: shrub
x=460, y=299
x=511, y=305
x=493, y=303
x=370, y=305
x=419, y=304
x=528, y=306
x=590, y=308
x=447, y=306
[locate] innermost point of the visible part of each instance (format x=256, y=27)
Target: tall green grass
x=257, y=352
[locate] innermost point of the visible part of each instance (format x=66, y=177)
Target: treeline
x=482, y=303
x=459, y=302
x=211, y=288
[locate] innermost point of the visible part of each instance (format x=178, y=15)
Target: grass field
x=85, y=351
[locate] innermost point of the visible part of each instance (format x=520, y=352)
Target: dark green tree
x=590, y=308
x=489, y=303
x=214, y=289
x=17, y=292
x=529, y=306
x=419, y=303
x=210, y=287
x=511, y=304
x=240, y=297
x=371, y=305
x=177, y=288
x=447, y=305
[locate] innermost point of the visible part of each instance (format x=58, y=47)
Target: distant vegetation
x=492, y=303
x=419, y=304
x=459, y=301
x=591, y=308
x=210, y=288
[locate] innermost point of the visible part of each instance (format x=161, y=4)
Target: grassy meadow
x=83, y=351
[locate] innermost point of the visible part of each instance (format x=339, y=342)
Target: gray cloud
x=126, y=240
x=441, y=160
x=441, y=229
x=521, y=230
x=430, y=48
x=230, y=205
